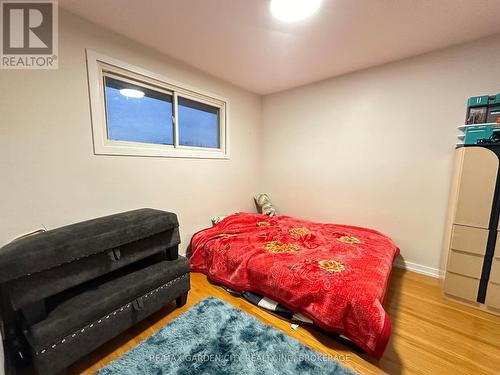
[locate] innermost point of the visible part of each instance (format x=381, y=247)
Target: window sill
x=149, y=150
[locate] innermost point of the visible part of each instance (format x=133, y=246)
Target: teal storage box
x=483, y=109
x=493, y=114
x=483, y=100
x=494, y=100
x=478, y=101
x=476, y=134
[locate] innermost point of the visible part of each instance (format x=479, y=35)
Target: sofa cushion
x=29, y=289
x=97, y=299
x=55, y=247
x=54, y=358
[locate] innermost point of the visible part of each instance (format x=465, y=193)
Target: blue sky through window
x=149, y=119
x=198, y=124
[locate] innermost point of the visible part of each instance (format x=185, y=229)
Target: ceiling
x=240, y=42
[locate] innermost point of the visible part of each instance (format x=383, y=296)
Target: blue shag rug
x=215, y=338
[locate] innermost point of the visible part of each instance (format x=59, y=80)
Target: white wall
x=374, y=148
x=49, y=175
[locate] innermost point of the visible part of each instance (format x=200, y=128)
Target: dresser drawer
x=493, y=295
x=469, y=239
x=465, y=264
x=477, y=187
x=495, y=270
x=461, y=286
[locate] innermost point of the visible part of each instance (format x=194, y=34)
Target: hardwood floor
x=430, y=335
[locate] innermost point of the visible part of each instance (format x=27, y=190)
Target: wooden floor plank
x=431, y=335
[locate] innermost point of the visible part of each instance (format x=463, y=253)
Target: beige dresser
x=473, y=252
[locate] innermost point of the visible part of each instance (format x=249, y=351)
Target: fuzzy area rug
x=213, y=337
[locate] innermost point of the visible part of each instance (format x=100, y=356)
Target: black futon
x=67, y=291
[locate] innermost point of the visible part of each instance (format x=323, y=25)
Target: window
x=198, y=124
x=138, y=115
x=136, y=112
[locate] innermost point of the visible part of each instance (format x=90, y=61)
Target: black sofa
x=67, y=291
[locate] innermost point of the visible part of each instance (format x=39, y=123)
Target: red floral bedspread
x=336, y=275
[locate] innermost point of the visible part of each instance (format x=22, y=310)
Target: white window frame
x=99, y=65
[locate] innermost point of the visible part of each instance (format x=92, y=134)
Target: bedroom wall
x=50, y=176
x=375, y=148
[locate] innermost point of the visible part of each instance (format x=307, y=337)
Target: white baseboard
x=418, y=268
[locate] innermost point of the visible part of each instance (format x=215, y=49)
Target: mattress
x=335, y=275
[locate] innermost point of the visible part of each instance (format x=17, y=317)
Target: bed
x=335, y=275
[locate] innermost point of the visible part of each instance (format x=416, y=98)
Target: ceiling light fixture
x=132, y=93
x=294, y=10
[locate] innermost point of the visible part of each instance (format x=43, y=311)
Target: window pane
x=198, y=124
x=139, y=114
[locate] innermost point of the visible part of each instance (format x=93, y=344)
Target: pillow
x=264, y=205
x=217, y=219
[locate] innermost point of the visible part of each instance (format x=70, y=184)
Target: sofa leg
x=181, y=300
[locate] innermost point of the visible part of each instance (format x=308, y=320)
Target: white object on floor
x=302, y=318
x=295, y=326
x=268, y=304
